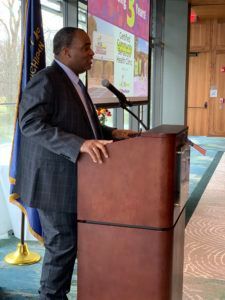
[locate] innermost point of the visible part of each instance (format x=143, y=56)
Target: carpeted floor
x=22, y=282
x=199, y=163
x=18, y=282
x=204, y=255
x=197, y=192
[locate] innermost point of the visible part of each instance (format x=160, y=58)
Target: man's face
x=80, y=54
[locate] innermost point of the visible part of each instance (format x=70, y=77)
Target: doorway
x=206, y=85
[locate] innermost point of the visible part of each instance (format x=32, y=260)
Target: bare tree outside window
x=10, y=59
x=10, y=55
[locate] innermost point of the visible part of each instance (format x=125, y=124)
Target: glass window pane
x=52, y=18
x=126, y=120
x=10, y=59
x=82, y=23
x=82, y=16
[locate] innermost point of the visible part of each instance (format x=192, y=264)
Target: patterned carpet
x=199, y=163
x=204, y=257
x=22, y=282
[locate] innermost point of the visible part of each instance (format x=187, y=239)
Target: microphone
x=122, y=100
x=121, y=97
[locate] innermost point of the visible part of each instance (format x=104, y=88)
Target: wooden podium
x=131, y=218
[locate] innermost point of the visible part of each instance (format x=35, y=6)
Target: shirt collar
x=73, y=77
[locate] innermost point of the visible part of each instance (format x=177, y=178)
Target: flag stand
x=22, y=256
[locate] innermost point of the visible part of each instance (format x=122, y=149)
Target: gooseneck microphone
x=121, y=97
x=122, y=100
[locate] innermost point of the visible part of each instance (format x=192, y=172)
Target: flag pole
x=34, y=40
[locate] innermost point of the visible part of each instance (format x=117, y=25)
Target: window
x=10, y=58
x=82, y=15
x=10, y=65
x=52, y=18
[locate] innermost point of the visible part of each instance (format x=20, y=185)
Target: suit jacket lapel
x=78, y=99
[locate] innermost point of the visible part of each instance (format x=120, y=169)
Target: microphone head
x=105, y=83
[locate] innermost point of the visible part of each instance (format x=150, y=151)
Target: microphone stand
x=124, y=106
x=122, y=100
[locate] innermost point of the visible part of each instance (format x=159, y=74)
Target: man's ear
x=66, y=52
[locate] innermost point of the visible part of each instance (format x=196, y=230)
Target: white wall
x=175, y=55
x=10, y=214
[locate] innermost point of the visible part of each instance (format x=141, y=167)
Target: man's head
x=72, y=46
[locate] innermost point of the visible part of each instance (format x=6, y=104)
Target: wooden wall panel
x=206, y=2
x=219, y=34
x=197, y=121
x=198, y=93
x=200, y=36
x=207, y=41
x=217, y=124
x=209, y=11
x=217, y=109
x=199, y=80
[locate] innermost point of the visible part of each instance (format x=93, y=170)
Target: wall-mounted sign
x=213, y=92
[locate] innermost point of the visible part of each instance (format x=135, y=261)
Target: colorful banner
x=33, y=60
x=130, y=15
x=124, y=61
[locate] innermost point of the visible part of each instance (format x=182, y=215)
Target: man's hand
x=95, y=148
x=123, y=134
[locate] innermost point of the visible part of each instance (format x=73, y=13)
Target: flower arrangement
x=103, y=114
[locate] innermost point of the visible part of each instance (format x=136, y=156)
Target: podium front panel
x=135, y=186
x=124, y=263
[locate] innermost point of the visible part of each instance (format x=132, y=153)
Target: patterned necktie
x=91, y=111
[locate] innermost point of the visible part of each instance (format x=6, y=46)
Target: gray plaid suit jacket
x=53, y=124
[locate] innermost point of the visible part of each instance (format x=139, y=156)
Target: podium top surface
x=165, y=130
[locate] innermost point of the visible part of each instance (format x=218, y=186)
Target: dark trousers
x=60, y=241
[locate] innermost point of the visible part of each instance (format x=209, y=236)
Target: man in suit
x=58, y=122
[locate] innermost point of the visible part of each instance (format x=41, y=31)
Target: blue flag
x=33, y=60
